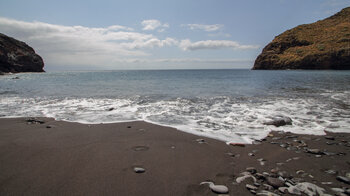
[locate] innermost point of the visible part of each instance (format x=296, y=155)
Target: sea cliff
x=16, y=56
x=321, y=45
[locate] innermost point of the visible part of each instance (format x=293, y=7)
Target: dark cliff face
x=321, y=45
x=17, y=56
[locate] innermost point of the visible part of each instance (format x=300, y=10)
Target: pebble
x=338, y=190
x=329, y=153
x=200, y=141
x=245, y=176
x=293, y=190
x=343, y=179
x=128, y=127
x=267, y=193
x=256, y=184
x=34, y=121
x=48, y=126
x=267, y=187
x=347, y=175
x=283, y=174
x=331, y=172
x=315, y=151
x=282, y=189
x=327, y=183
x=328, y=137
x=220, y=189
x=251, y=154
x=139, y=170
x=275, y=182
x=260, y=176
x=283, y=145
x=237, y=144
x=251, y=170
x=251, y=187
x=300, y=172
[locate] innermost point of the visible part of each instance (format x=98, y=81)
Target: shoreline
x=41, y=156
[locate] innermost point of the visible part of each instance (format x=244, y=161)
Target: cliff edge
x=321, y=45
x=17, y=56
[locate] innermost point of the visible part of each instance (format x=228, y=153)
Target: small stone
x=300, y=172
x=329, y=153
x=315, y=151
x=253, y=192
x=251, y=187
x=343, y=179
x=338, y=190
x=128, y=127
x=256, y=184
x=328, y=137
x=267, y=193
x=260, y=176
x=347, y=175
x=327, y=183
x=282, y=189
x=318, y=156
x=267, y=187
x=293, y=190
x=220, y=189
x=251, y=170
x=48, y=126
x=283, y=174
x=110, y=109
x=237, y=144
x=139, y=170
x=245, y=176
x=275, y=182
x=331, y=172
x=251, y=154
x=283, y=145
x=200, y=141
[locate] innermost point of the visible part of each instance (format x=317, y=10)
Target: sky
x=157, y=34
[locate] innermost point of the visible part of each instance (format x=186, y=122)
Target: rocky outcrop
x=321, y=45
x=17, y=56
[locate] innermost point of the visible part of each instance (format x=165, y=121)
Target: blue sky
x=160, y=34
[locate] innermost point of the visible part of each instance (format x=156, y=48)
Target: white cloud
x=208, y=28
x=150, y=25
x=112, y=47
x=59, y=44
x=213, y=44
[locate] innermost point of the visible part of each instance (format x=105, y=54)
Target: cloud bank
x=112, y=45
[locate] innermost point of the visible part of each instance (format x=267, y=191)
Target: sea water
x=230, y=105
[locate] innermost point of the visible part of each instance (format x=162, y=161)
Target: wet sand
x=46, y=157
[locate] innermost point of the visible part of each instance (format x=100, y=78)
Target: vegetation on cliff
x=321, y=45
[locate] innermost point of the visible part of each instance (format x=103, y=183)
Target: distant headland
x=324, y=44
x=17, y=56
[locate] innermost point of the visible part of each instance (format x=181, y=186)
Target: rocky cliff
x=17, y=56
x=321, y=45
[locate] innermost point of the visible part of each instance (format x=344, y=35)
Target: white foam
x=222, y=118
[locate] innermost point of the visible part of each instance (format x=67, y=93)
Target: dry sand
x=63, y=158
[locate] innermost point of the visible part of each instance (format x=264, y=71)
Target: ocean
x=229, y=105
